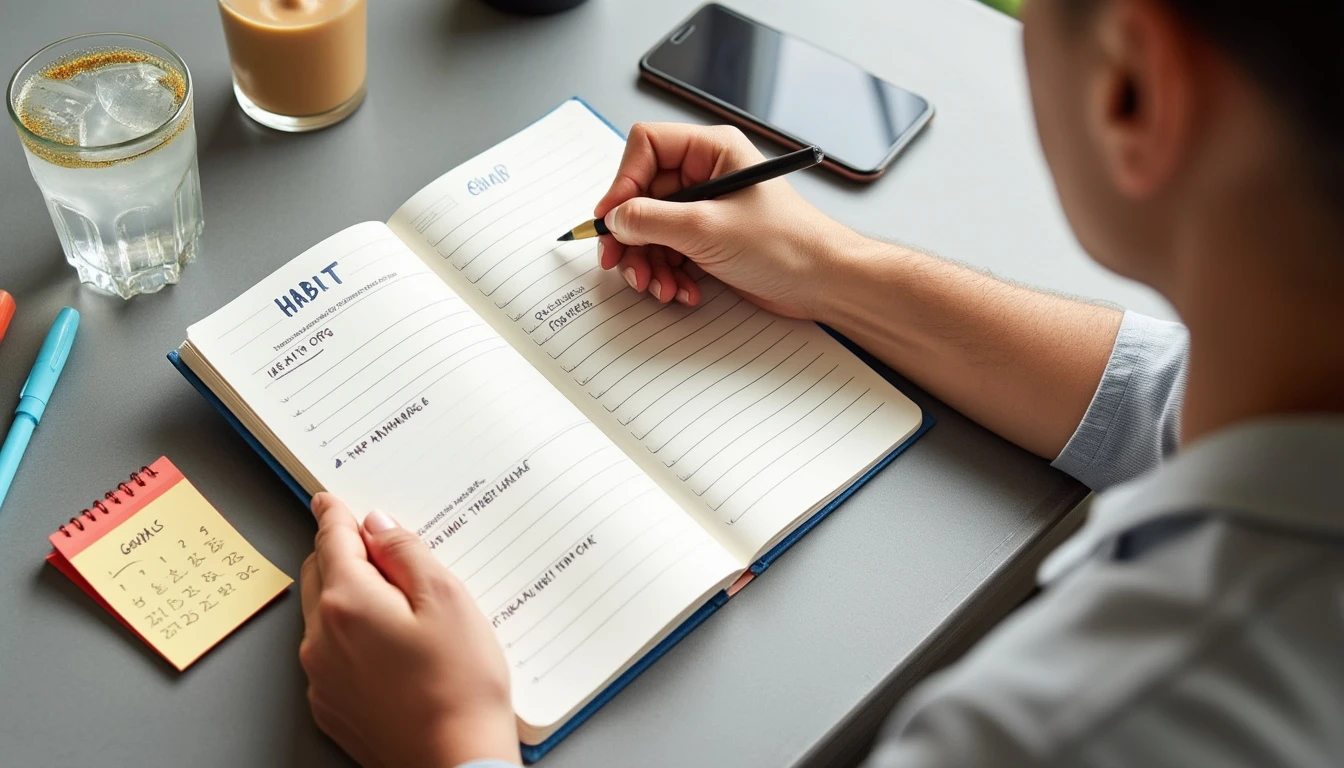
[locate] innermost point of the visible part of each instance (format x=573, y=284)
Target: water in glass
x=109, y=137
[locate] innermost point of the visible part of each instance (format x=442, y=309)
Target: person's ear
x=1140, y=102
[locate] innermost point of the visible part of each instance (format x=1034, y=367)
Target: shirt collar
x=1285, y=473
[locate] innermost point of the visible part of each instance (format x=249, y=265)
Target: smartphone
x=788, y=89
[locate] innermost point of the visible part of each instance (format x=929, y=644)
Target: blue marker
x=36, y=392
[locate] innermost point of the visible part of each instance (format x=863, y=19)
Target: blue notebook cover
x=532, y=753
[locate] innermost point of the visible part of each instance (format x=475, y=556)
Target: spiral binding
x=110, y=496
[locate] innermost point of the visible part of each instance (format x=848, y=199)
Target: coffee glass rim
x=159, y=132
x=232, y=5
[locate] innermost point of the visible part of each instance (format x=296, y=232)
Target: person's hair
x=1293, y=49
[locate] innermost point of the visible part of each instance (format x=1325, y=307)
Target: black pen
x=723, y=185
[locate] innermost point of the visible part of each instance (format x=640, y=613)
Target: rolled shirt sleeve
x=1134, y=418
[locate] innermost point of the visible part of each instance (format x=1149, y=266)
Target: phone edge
x=743, y=120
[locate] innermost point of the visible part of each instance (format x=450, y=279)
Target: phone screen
x=797, y=89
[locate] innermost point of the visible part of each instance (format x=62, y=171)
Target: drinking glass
x=298, y=65
x=106, y=124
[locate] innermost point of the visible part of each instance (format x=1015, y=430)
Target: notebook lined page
x=748, y=419
x=396, y=395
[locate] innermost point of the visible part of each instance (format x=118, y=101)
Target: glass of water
x=106, y=123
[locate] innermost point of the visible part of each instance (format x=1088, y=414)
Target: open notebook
x=600, y=469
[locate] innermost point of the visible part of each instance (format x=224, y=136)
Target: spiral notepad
x=160, y=558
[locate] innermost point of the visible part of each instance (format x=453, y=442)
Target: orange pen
x=6, y=312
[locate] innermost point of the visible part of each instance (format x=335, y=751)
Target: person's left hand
x=403, y=670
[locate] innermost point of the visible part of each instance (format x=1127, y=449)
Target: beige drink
x=297, y=64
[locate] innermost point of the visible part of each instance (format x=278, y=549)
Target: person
x=1197, y=617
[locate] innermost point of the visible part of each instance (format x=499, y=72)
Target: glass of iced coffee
x=106, y=125
x=298, y=65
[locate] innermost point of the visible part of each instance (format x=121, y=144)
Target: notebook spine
x=123, y=494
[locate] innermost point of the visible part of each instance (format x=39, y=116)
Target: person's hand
x=403, y=670
x=765, y=241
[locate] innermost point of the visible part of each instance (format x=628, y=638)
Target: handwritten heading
x=306, y=291
x=143, y=536
x=479, y=185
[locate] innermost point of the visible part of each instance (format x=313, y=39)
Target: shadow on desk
x=95, y=622
x=49, y=273
x=234, y=132
x=473, y=18
x=850, y=741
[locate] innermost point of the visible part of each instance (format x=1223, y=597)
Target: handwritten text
x=306, y=291
x=498, y=175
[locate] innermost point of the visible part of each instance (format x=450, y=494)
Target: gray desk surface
x=777, y=677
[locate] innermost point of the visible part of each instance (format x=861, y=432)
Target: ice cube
x=135, y=95
x=101, y=130
x=56, y=110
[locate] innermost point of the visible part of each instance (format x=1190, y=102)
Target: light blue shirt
x=1196, y=619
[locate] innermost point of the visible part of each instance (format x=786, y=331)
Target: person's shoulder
x=1217, y=646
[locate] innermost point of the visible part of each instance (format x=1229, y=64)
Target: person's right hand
x=766, y=241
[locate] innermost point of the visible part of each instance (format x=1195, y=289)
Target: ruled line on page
x=538, y=232
x=703, y=389
x=538, y=260
x=645, y=358
x=544, y=227
x=528, y=311
x=762, y=443
x=335, y=314
x=593, y=170
x=545, y=222
x=414, y=357
x=672, y=386
x=271, y=361
x=677, y=561
x=298, y=365
x=675, y=363
x=265, y=307
x=523, y=161
x=722, y=400
x=386, y=351
x=635, y=302
x=389, y=348
x=617, y=290
x=421, y=223
x=532, y=185
x=740, y=411
x=653, y=528
x=476, y=413
x=579, y=486
x=796, y=445
x=622, y=484
x=480, y=412
x=479, y=354
x=523, y=505
x=805, y=462
x=668, y=314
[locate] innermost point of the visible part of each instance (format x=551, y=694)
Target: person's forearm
x=1023, y=363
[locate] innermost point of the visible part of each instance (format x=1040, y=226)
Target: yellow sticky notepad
x=158, y=556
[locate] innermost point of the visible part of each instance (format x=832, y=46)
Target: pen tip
x=565, y=237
